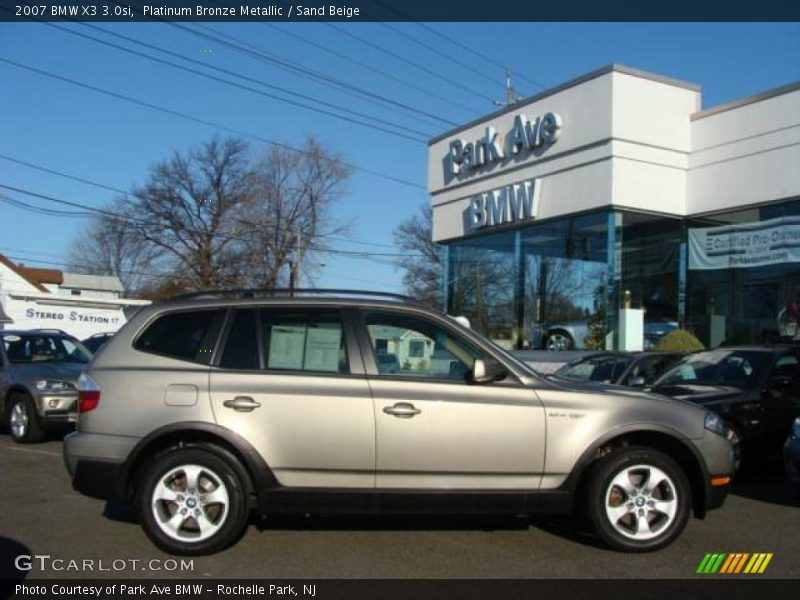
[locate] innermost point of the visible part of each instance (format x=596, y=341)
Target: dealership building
x=615, y=206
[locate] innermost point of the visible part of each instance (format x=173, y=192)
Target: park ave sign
x=509, y=204
x=526, y=136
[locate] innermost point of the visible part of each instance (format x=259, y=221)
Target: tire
x=559, y=340
x=193, y=501
x=626, y=519
x=22, y=420
x=734, y=435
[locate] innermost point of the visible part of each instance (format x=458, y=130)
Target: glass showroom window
x=566, y=282
x=481, y=280
x=649, y=271
x=743, y=278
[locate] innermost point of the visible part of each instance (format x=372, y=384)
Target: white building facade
x=80, y=305
x=616, y=190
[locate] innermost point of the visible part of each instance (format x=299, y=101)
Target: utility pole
x=297, y=259
x=511, y=95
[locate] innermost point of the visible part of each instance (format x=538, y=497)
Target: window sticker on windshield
x=322, y=348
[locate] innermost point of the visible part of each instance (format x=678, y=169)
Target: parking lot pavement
x=41, y=515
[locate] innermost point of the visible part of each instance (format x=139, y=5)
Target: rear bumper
x=97, y=464
x=99, y=479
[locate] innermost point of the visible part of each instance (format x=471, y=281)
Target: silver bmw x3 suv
x=205, y=409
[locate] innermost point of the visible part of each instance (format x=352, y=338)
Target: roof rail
x=290, y=293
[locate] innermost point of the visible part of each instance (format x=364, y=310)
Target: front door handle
x=402, y=410
x=242, y=404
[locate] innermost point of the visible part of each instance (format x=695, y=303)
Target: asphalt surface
x=40, y=514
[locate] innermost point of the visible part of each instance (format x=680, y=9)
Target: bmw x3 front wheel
x=639, y=499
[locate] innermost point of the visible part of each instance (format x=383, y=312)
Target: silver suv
x=205, y=408
x=39, y=372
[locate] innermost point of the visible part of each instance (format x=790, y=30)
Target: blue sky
x=95, y=137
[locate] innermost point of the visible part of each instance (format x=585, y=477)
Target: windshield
x=44, y=347
x=606, y=369
x=736, y=368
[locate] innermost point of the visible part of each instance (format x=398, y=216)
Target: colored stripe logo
x=734, y=563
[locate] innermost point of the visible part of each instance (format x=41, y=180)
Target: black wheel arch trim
x=589, y=456
x=254, y=465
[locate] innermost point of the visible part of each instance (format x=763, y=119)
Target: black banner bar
x=399, y=10
x=711, y=587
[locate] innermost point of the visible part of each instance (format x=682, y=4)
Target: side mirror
x=637, y=381
x=487, y=371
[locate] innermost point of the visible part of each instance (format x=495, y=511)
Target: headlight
x=714, y=423
x=796, y=428
x=55, y=386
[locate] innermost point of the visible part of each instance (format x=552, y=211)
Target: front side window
x=414, y=347
x=177, y=335
x=309, y=341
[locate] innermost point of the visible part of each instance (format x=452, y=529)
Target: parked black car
x=791, y=453
x=634, y=369
x=755, y=389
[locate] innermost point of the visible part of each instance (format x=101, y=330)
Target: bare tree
x=186, y=209
x=286, y=219
x=108, y=245
x=422, y=264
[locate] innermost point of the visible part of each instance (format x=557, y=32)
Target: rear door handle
x=402, y=410
x=242, y=404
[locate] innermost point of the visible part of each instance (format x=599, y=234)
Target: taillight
x=88, y=393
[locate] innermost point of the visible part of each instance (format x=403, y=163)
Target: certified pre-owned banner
x=771, y=242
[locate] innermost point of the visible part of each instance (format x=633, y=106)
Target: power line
x=363, y=65
x=199, y=120
x=276, y=60
x=125, y=217
x=252, y=79
x=249, y=89
x=285, y=64
x=437, y=51
x=460, y=45
x=96, y=184
x=404, y=60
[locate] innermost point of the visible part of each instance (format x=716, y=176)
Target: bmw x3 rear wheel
x=192, y=502
x=639, y=500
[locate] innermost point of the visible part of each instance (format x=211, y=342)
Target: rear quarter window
x=177, y=335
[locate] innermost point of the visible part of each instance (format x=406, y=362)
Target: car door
x=290, y=380
x=435, y=429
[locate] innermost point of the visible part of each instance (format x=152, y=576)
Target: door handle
x=242, y=404
x=402, y=410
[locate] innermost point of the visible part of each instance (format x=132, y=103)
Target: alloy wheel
x=19, y=420
x=190, y=503
x=641, y=502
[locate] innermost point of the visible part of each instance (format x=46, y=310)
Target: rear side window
x=177, y=335
x=309, y=341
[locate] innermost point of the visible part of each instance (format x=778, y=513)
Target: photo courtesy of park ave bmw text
x=407, y=299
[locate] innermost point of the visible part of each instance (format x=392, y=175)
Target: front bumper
x=58, y=408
